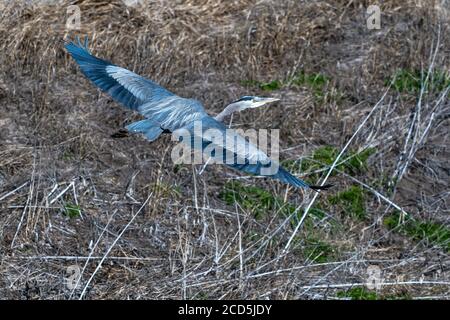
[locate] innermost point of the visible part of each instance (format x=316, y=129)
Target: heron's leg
x=122, y=133
x=151, y=129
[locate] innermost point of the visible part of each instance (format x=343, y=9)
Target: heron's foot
x=122, y=133
x=324, y=187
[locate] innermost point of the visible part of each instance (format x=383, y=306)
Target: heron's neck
x=229, y=109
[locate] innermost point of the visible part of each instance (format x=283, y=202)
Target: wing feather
x=136, y=92
x=245, y=156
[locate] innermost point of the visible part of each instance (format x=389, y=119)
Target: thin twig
x=112, y=245
x=62, y=192
x=332, y=168
x=91, y=252
x=13, y=191
x=383, y=284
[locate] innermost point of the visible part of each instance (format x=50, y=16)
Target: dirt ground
x=75, y=201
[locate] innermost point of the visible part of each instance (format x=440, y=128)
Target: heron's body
x=167, y=112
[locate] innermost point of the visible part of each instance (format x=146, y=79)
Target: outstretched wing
x=135, y=92
x=228, y=147
x=123, y=85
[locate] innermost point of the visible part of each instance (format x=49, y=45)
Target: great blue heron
x=167, y=112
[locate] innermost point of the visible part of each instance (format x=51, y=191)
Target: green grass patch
x=67, y=155
x=270, y=86
x=324, y=155
x=251, y=198
x=358, y=293
x=432, y=233
x=72, y=210
x=265, y=86
x=261, y=202
x=356, y=162
x=352, y=202
x=318, y=251
x=411, y=81
x=163, y=189
x=317, y=82
x=361, y=293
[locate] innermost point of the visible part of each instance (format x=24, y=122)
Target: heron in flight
x=166, y=112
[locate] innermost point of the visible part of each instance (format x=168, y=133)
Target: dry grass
x=57, y=157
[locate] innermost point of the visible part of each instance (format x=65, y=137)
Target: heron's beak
x=263, y=101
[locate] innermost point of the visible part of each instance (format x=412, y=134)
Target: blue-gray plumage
x=149, y=128
x=167, y=112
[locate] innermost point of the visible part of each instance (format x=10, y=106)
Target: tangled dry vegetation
x=140, y=227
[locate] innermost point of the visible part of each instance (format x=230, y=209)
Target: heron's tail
x=287, y=177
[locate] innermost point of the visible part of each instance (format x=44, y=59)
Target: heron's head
x=247, y=102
